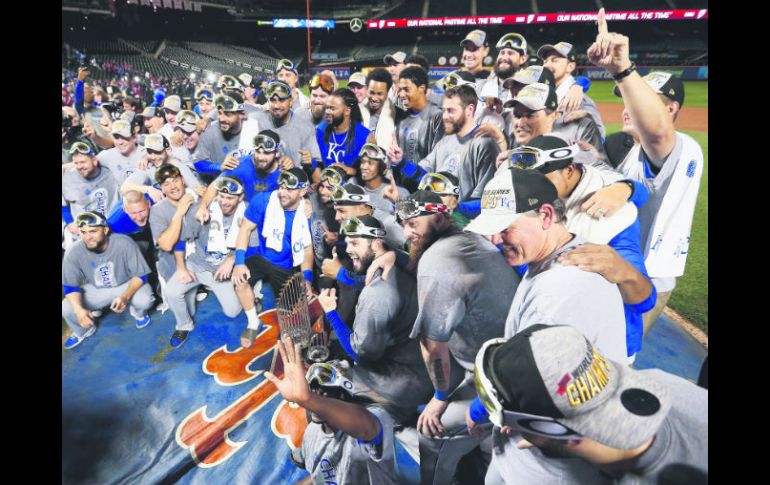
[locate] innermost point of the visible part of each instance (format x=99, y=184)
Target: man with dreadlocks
x=341, y=135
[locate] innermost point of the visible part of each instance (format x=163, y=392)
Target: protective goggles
x=229, y=185
x=332, y=176
x=407, y=208
x=354, y=227
x=285, y=64
x=204, y=94
x=290, y=181
x=374, y=152
x=229, y=82
x=435, y=182
x=452, y=80
x=526, y=157
x=226, y=103
x=530, y=423
x=340, y=196
x=167, y=172
x=325, y=374
x=90, y=219
x=82, y=148
x=323, y=81
x=266, y=143
x=512, y=41
x=278, y=88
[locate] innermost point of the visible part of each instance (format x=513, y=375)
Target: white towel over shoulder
x=273, y=230
x=217, y=242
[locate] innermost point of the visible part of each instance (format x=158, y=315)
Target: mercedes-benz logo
x=356, y=24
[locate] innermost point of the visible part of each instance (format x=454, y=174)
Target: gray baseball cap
x=155, y=142
x=530, y=75
x=554, y=371
x=535, y=96
x=357, y=78
x=562, y=49
x=397, y=57
x=121, y=128
x=477, y=37
x=172, y=103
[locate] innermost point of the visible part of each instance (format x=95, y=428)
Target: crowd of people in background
x=488, y=258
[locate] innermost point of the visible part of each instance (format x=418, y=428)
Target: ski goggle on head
x=278, y=88
x=512, y=41
x=286, y=64
x=324, y=81
x=290, y=181
x=90, y=219
x=227, y=104
x=452, y=80
x=526, y=157
x=407, y=209
x=326, y=374
x=435, y=182
x=187, y=117
x=374, y=152
x=355, y=227
x=229, y=82
x=229, y=185
x=82, y=148
x=545, y=426
x=340, y=196
x=332, y=176
x=204, y=94
x=266, y=143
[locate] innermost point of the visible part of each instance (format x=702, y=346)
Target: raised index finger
x=601, y=22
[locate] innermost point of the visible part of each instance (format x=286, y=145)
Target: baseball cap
x=187, y=120
x=617, y=146
x=357, y=78
x=167, y=171
x=477, y=37
x=664, y=83
x=121, y=128
x=397, y=58
x=561, y=49
x=172, y=103
x=553, y=153
x=513, y=41
x=349, y=194
x=128, y=116
x=152, y=111
x=530, y=75
x=156, y=142
x=535, y=96
x=420, y=203
x=246, y=79
x=90, y=218
x=554, y=371
x=508, y=195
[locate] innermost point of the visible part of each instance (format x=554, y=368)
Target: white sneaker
x=199, y=297
x=162, y=308
x=96, y=313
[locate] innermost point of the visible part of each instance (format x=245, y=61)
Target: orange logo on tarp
x=208, y=438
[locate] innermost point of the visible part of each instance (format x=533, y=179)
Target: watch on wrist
x=625, y=73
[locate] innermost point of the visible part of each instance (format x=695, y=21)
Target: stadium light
x=210, y=77
x=137, y=79
x=192, y=76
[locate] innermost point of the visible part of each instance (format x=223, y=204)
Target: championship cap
x=664, y=83
x=476, y=37
x=156, y=142
x=535, y=97
x=395, y=58
x=187, y=120
x=172, y=103
x=121, y=128
x=357, y=78
x=562, y=49
x=530, y=75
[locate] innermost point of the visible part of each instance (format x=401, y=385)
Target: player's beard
x=365, y=261
x=317, y=112
x=416, y=250
x=504, y=73
x=337, y=121
x=263, y=172
x=454, y=126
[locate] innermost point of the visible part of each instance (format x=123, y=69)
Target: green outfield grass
x=696, y=93
x=690, y=297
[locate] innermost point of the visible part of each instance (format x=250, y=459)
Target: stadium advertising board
x=686, y=73
x=340, y=72
x=303, y=23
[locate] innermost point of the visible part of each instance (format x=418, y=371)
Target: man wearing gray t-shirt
x=388, y=365
x=102, y=270
x=464, y=290
x=123, y=160
x=600, y=421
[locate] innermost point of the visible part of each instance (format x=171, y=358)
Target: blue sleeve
x=343, y=333
x=522, y=269
x=478, y=412
x=469, y=208
x=206, y=166
x=143, y=278
x=253, y=211
x=640, y=196
x=71, y=289
x=401, y=172
x=79, y=97
x=377, y=439
x=348, y=278
x=66, y=214
x=412, y=170
x=583, y=82
x=628, y=246
x=180, y=246
x=402, y=259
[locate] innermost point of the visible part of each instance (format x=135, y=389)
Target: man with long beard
x=464, y=291
x=388, y=368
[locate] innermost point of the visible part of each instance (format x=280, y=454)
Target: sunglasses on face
x=354, y=227
x=435, y=182
x=290, y=181
x=228, y=185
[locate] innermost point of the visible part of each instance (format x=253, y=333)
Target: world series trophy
x=293, y=305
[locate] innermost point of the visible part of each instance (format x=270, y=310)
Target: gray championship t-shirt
x=464, y=290
x=120, y=262
x=338, y=458
x=322, y=215
x=214, y=147
x=147, y=176
x=555, y=294
x=391, y=363
x=121, y=166
x=418, y=133
x=471, y=160
x=99, y=194
x=378, y=201
x=297, y=134
x=160, y=218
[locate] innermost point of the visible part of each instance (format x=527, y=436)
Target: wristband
x=308, y=274
x=626, y=73
x=240, y=256
x=441, y=395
